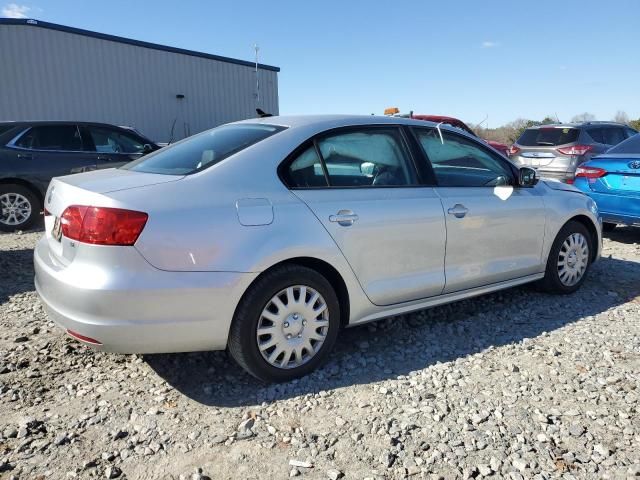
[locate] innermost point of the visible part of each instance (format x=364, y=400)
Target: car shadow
x=625, y=235
x=16, y=272
x=384, y=350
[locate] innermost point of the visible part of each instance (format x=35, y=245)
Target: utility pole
x=257, y=94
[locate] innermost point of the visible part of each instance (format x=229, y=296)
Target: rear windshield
x=203, y=150
x=552, y=136
x=630, y=145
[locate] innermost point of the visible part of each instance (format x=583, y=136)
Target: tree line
x=510, y=132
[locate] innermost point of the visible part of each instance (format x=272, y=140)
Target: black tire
x=242, y=342
x=609, y=227
x=551, y=282
x=34, y=204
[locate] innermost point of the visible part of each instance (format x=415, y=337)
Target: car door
x=52, y=150
x=495, y=231
x=114, y=147
x=361, y=183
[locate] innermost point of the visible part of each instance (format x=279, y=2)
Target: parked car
x=555, y=151
x=268, y=236
x=455, y=122
x=31, y=153
x=613, y=181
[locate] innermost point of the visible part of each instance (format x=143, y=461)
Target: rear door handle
x=25, y=156
x=458, y=210
x=344, y=218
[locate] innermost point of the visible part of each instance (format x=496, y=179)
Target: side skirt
x=442, y=299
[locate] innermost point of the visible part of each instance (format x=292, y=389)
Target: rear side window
x=306, y=171
x=630, y=145
x=549, y=136
x=52, y=137
x=203, y=150
x=613, y=135
x=375, y=158
x=107, y=140
x=596, y=134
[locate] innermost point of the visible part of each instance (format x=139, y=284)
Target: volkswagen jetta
x=268, y=236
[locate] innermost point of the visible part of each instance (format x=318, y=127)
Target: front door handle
x=344, y=218
x=458, y=210
x=25, y=156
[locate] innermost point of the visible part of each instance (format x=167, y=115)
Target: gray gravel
x=512, y=385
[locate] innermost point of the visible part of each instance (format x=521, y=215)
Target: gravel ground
x=517, y=384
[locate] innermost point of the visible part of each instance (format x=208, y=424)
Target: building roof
x=129, y=41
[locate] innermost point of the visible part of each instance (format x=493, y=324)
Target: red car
x=454, y=122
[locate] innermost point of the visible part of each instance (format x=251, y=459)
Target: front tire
x=569, y=259
x=285, y=325
x=19, y=208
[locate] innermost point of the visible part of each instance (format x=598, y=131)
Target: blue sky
x=469, y=59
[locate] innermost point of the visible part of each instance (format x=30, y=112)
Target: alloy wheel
x=292, y=327
x=15, y=209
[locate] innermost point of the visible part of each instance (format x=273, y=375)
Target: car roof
x=326, y=122
x=19, y=123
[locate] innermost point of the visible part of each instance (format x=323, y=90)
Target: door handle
x=102, y=158
x=458, y=210
x=344, y=218
x=25, y=156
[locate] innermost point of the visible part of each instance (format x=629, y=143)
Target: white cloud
x=489, y=44
x=13, y=10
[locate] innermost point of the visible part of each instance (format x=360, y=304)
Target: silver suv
x=556, y=150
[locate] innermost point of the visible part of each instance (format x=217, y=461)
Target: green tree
x=635, y=124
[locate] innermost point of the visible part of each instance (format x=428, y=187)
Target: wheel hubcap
x=573, y=259
x=15, y=209
x=292, y=327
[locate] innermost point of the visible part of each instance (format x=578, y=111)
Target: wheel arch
x=591, y=228
x=24, y=183
x=326, y=270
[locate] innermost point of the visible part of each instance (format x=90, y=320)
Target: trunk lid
x=622, y=177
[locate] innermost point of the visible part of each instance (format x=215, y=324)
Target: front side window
x=459, y=162
x=113, y=141
x=203, y=150
x=52, y=137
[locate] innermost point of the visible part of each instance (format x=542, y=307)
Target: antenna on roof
x=257, y=95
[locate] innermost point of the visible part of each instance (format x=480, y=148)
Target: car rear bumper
x=137, y=308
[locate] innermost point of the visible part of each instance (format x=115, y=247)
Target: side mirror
x=527, y=177
x=147, y=148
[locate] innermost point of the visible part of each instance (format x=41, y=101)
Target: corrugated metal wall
x=52, y=75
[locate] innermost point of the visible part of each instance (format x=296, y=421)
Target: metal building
x=53, y=72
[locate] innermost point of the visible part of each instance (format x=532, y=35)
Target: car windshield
x=630, y=145
x=203, y=150
x=548, y=136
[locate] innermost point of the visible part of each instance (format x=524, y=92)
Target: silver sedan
x=269, y=236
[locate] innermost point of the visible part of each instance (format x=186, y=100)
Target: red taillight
x=575, y=150
x=513, y=150
x=590, y=172
x=102, y=225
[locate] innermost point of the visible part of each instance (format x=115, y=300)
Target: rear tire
x=293, y=308
x=19, y=208
x=609, y=227
x=569, y=259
